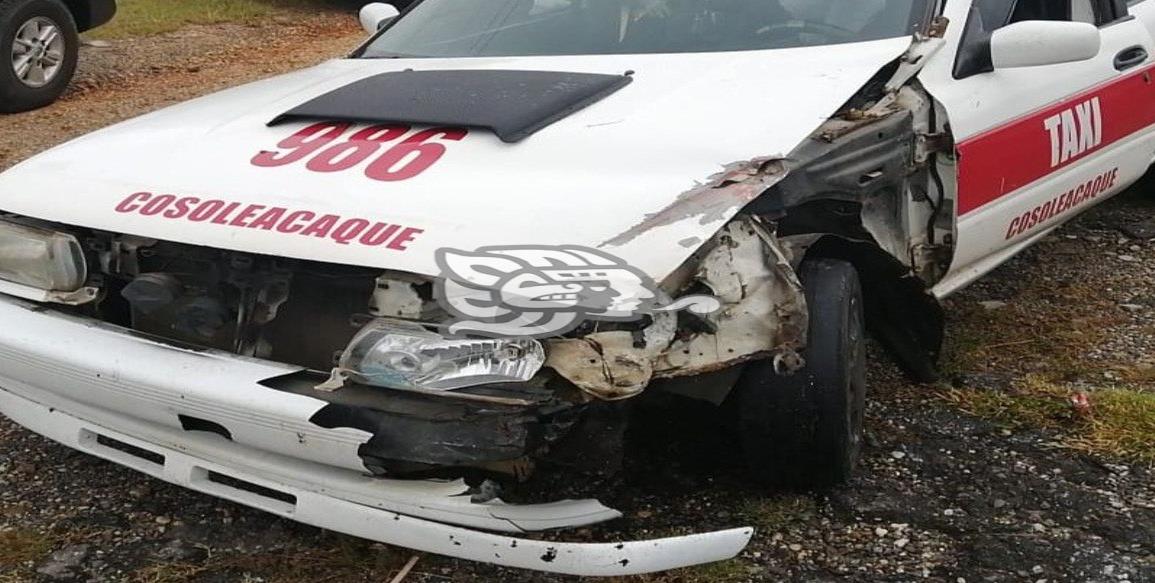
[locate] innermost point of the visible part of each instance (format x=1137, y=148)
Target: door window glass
x=987, y=16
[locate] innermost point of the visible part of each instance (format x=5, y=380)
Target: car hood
x=634, y=174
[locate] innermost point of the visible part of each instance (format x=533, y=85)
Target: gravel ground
x=942, y=496
x=125, y=78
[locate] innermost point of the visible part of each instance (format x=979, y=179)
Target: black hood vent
x=513, y=104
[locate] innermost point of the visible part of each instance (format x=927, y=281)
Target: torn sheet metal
x=763, y=313
x=139, y=386
x=613, y=365
x=79, y=297
x=764, y=307
x=606, y=365
x=717, y=199
x=395, y=295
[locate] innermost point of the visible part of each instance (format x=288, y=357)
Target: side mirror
x=1034, y=43
x=374, y=16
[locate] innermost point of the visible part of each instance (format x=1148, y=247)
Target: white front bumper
x=98, y=388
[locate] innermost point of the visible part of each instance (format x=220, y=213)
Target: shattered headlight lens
x=41, y=258
x=404, y=355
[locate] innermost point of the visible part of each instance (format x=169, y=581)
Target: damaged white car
x=365, y=295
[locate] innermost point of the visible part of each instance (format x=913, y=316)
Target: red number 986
x=403, y=160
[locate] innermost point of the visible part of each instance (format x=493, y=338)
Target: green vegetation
x=149, y=17
x=731, y=571
x=342, y=558
x=1123, y=423
x=772, y=513
x=18, y=547
x=1048, y=326
x=1049, y=354
x=1119, y=423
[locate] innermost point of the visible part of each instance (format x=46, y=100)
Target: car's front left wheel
x=39, y=47
x=805, y=430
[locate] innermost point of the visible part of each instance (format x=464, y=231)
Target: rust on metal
x=714, y=200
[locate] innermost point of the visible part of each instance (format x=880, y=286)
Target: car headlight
x=404, y=355
x=47, y=261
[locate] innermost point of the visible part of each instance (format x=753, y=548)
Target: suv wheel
x=805, y=430
x=39, y=47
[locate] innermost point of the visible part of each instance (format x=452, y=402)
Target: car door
x=1144, y=10
x=1035, y=145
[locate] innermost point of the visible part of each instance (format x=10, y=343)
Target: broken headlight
x=404, y=355
x=42, y=259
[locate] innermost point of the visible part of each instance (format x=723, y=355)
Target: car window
x=999, y=13
x=1077, y=10
x=1083, y=11
x=988, y=16
x=480, y=28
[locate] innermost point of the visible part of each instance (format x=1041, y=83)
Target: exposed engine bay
x=305, y=313
x=369, y=316
x=290, y=311
x=872, y=186
x=866, y=188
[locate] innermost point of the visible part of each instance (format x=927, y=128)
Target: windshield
x=499, y=28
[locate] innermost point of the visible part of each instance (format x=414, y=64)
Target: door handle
x=1130, y=57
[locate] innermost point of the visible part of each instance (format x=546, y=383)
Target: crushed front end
x=374, y=346
x=332, y=394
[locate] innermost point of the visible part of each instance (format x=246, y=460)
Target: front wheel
x=39, y=47
x=805, y=430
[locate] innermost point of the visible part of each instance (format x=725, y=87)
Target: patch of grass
x=168, y=573
x=1123, y=424
x=1142, y=374
x=343, y=559
x=1033, y=403
x=730, y=571
x=1054, y=341
x=771, y=513
x=18, y=547
x=1119, y=425
x=136, y=18
x=1041, y=337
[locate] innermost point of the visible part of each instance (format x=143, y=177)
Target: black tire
x=15, y=94
x=805, y=430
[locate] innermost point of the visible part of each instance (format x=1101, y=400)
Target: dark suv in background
x=39, y=47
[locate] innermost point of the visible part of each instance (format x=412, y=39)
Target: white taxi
x=371, y=295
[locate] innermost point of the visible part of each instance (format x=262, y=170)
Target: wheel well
x=90, y=14
x=900, y=312
x=80, y=13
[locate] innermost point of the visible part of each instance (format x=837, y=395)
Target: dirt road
x=134, y=76
x=943, y=495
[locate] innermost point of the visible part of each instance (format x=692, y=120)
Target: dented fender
x=763, y=314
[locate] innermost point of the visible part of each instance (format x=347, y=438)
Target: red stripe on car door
x=1007, y=158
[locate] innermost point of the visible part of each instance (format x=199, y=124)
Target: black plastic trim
x=90, y=14
x=189, y=423
x=513, y=104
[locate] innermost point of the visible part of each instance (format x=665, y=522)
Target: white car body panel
x=625, y=175
x=317, y=506
x=122, y=379
x=1144, y=12
x=985, y=237
x=78, y=393
x=684, y=119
